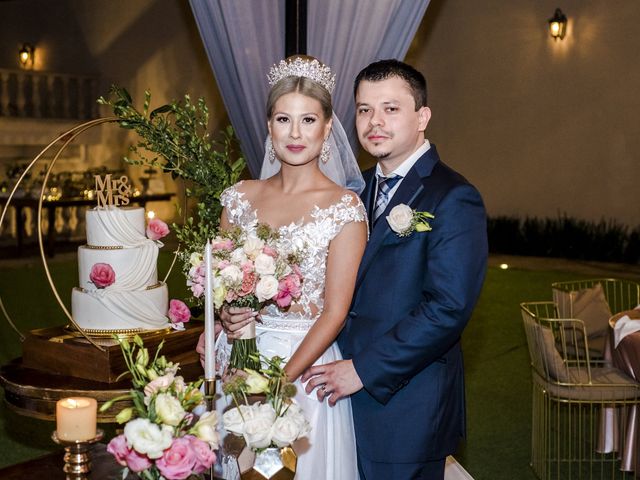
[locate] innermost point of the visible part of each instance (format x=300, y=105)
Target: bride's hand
x=200, y=347
x=235, y=318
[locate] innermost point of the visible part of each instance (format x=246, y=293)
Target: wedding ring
x=323, y=388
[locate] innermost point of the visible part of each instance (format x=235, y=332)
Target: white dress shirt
x=403, y=168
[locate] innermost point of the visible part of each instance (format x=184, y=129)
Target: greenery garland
x=177, y=136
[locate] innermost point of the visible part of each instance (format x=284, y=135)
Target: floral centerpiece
x=249, y=270
x=163, y=438
x=174, y=138
x=275, y=423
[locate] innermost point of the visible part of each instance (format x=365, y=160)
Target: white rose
x=147, y=438
x=233, y=421
x=264, y=410
x=231, y=275
x=253, y=247
x=195, y=259
x=400, y=218
x=257, y=431
x=295, y=413
x=265, y=264
x=205, y=429
x=285, y=431
x=169, y=410
x=238, y=256
x=266, y=288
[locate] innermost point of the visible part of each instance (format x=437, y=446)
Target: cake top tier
x=115, y=227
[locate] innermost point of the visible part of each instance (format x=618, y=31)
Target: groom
x=414, y=292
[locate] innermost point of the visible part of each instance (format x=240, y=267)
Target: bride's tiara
x=299, y=67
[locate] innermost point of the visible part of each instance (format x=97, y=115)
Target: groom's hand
x=333, y=381
x=234, y=318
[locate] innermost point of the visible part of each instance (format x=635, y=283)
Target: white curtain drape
x=243, y=38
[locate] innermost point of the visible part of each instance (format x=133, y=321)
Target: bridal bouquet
x=249, y=270
x=163, y=438
x=279, y=421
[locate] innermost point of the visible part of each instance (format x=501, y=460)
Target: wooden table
x=51, y=205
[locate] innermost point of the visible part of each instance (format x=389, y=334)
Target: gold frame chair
x=620, y=294
x=572, y=394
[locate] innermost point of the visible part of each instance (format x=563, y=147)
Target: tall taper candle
x=209, y=328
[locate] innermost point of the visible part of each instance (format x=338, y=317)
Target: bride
x=301, y=193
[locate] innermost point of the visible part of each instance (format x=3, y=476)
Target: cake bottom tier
x=114, y=310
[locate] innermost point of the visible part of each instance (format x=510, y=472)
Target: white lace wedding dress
x=329, y=451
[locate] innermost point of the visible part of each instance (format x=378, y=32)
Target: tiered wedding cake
x=119, y=287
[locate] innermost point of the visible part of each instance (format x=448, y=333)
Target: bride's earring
x=325, y=153
x=270, y=150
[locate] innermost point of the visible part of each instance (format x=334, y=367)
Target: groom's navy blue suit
x=414, y=296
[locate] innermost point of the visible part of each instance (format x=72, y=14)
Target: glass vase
x=270, y=463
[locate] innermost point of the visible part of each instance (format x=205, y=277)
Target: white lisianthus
x=159, y=384
x=205, y=429
x=256, y=383
x=219, y=294
x=231, y=275
x=148, y=438
x=238, y=256
x=400, y=218
x=265, y=264
x=253, y=247
x=285, y=431
x=169, y=410
x=195, y=259
x=266, y=288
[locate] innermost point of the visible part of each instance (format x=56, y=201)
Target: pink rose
x=178, y=311
x=288, y=289
x=138, y=462
x=204, y=455
x=267, y=250
x=102, y=275
x=178, y=461
x=157, y=229
x=119, y=449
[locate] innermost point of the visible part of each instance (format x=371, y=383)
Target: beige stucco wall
x=541, y=127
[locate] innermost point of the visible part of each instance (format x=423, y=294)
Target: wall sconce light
x=558, y=25
x=26, y=55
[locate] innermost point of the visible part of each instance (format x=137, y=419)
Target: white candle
x=76, y=418
x=209, y=328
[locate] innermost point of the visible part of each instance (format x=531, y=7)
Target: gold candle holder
x=77, y=455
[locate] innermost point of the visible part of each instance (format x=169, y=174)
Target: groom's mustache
x=376, y=132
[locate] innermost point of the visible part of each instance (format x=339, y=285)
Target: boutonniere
x=404, y=220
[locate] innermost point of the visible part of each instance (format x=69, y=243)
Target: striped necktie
x=385, y=185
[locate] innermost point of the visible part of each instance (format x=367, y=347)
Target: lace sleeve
x=236, y=207
x=349, y=209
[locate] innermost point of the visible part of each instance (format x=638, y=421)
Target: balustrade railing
x=34, y=94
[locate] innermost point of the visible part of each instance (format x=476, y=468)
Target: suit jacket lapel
x=368, y=194
x=408, y=191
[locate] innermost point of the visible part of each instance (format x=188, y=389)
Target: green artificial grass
x=496, y=363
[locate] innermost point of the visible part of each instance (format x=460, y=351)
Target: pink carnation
x=204, y=455
x=178, y=461
x=178, y=311
x=157, y=229
x=248, y=283
x=267, y=250
x=102, y=275
x=224, y=244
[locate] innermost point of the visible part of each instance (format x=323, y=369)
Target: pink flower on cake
x=178, y=461
x=157, y=229
x=178, y=311
x=102, y=275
